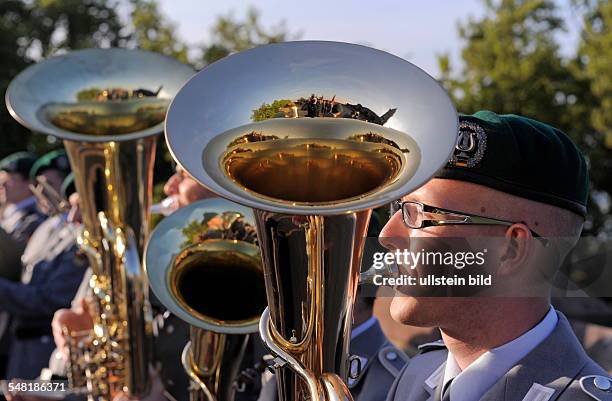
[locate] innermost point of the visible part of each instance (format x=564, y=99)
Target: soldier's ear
x=516, y=250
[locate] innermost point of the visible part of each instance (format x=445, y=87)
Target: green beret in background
x=56, y=159
x=20, y=162
x=68, y=187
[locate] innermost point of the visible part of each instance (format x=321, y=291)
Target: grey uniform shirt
x=556, y=369
x=471, y=383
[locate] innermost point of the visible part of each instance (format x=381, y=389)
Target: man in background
x=51, y=274
x=19, y=218
x=169, y=381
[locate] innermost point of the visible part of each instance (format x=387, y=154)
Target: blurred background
x=550, y=60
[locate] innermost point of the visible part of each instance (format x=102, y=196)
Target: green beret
x=56, y=159
x=68, y=187
x=20, y=162
x=520, y=156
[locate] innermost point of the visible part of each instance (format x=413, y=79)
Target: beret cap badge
x=470, y=146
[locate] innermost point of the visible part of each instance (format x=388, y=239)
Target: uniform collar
x=552, y=364
x=471, y=383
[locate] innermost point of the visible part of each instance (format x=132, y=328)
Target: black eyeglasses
x=419, y=215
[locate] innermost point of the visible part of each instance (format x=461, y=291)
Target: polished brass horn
x=107, y=105
x=312, y=135
x=204, y=265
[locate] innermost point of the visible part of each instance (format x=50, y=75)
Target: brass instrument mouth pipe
x=269, y=336
x=191, y=369
x=45, y=193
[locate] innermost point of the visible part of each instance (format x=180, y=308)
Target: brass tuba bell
x=204, y=265
x=312, y=135
x=107, y=105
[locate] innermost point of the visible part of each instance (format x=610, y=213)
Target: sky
x=415, y=30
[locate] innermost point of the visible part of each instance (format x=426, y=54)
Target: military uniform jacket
x=381, y=363
x=16, y=227
x=49, y=282
x=558, y=369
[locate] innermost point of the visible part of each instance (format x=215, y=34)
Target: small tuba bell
x=312, y=135
x=204, y=265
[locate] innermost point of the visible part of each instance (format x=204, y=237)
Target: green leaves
x=511, y=64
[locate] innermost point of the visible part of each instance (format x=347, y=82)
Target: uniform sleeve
x=42, y=298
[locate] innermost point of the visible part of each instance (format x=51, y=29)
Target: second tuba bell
x=204, y=265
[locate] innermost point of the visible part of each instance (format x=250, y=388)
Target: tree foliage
x=596, y=54
x=73, y=24
x=512, y=64
x=230, y=35
x=150, y=30
x=511, y=61
x=267, y=111
x=14, y=25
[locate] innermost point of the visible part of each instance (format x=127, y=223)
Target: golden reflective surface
x=301, y=161
x=112, y=117
x=220, y=281
x=204, y=265
x=312, y=172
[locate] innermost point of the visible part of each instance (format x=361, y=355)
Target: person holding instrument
x=18, y=220
x=170, y=383
x=51, y=274
x=524, y=184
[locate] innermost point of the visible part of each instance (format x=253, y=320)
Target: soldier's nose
x=394, y=235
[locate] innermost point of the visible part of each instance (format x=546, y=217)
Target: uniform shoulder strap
x=598, y=387
x=392, y=359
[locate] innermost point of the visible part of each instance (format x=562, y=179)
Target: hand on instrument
x=77, y=319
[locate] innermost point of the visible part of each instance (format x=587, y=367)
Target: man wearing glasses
x=521, y=185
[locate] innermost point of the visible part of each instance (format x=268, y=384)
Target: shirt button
x=602, y=383
x=391, y=356
x=170, y=329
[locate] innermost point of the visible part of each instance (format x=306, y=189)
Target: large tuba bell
x=312, y=135
x=204, y=265
x=107, y=105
